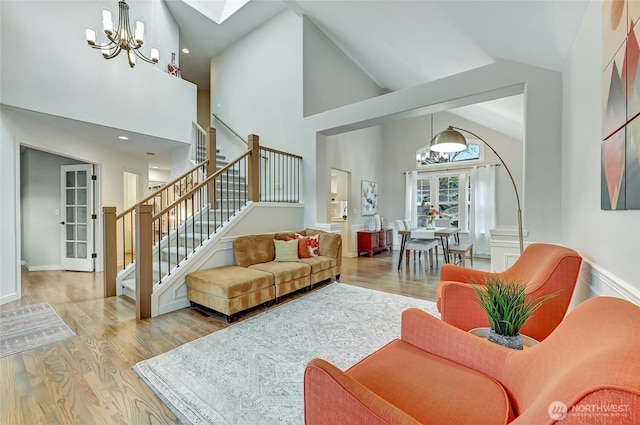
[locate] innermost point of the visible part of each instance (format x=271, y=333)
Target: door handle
x=62, y=222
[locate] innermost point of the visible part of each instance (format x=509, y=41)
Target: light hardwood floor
x=87, y=379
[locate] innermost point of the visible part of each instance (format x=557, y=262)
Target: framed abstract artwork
x=620, y=148
x=632, y=169
x=369, y=197
x=612, y=186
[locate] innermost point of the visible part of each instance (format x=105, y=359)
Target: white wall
x=31, y=132
x=360, y=153
x=331, y=79
x=608, y=240
x=257, y=83
x=41, y=197
x=9, y=218
x=27, y=130
x=48, y=67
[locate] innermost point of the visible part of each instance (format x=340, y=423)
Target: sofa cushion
x=285, y=236
x=228, y=281
x=430, y=390
x=319, y=263
x=284, y=272
x=314, y=248
x=286, y=251
x=253, y=249
x=330, y=244
x=303, y=247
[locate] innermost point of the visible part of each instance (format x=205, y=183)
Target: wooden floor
x=88, y=379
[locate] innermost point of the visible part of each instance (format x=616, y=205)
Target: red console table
x=374, y=241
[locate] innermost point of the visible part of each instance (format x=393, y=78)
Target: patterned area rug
x=30, y=326
x=251, y=373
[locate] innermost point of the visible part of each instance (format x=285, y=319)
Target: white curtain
x=411, y=192
x=483, y=208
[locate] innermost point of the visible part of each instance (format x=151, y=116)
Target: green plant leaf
x=506, y=305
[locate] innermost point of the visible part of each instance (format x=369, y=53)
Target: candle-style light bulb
x=91, y=36
x=155, y=55
x=139, y=32
x=107, y=23
x=132, y=58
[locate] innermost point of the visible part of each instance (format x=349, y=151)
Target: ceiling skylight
x=217, y=10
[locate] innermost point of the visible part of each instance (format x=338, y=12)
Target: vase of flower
x=430, y=219
x=430, y=214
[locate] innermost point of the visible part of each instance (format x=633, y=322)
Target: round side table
x=527, y=341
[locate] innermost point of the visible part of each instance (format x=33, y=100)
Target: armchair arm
x=462, y=274
x=332, y=397
x=458, y=306
x=430, y=334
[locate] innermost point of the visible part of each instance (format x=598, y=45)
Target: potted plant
x=507, y=308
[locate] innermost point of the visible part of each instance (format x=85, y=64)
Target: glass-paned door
x=423, y=199
x=448, y=198
x=77, y=225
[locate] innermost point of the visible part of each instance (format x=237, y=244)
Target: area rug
x=30, y=326
x=251, y=373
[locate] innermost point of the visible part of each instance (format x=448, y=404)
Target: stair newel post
x=212, y=152
x=110, y=251
x=253, y=170
x=144, y=260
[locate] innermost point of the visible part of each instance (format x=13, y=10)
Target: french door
x=77, y=224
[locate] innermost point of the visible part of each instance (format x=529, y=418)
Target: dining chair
x=417, y=245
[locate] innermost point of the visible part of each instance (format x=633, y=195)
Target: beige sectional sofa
x=257, y=278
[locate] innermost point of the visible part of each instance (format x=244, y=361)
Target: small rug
x=251, y=373
x=30, y=326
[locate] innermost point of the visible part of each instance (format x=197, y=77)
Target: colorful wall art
x=620, y=150
x=369, y=197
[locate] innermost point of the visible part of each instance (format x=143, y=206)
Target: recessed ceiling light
x=123, y=138
x=154, y=166
x=185, y=50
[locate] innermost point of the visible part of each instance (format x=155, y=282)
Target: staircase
x=178, y=228
x=175, y=248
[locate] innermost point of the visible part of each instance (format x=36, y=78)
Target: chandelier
x=122, y=38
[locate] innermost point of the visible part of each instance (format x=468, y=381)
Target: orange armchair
x=586, y=372
x=545, y=269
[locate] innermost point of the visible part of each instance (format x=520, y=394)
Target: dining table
x=443, y=233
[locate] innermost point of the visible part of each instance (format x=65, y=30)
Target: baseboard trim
x=603, y=282
x=43, y=268
x=8, y=298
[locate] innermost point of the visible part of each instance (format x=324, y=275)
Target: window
x=450, y=194
x=474, y=153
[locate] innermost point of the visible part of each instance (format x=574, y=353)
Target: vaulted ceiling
x=401, y=44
